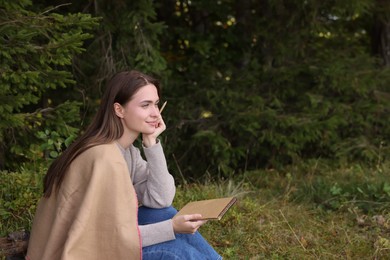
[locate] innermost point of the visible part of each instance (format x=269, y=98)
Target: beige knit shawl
x=94, y=214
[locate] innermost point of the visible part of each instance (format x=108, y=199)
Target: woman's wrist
x=148, y=142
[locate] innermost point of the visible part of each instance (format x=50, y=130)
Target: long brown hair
x=105, y=127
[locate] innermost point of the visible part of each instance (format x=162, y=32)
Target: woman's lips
x=154, y=123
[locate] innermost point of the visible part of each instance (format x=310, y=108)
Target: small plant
x=53, y=143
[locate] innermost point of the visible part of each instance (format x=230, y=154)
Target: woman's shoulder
x=102, y=151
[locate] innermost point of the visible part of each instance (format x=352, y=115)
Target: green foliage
x=19, y=195
x=279, y=81
x=251, y=84
x=36, y=50
x=54, y=143
x=127, y=38
x=356, y=188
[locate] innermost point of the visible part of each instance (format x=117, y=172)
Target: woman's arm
x=155, y=233
x=161, y=225
x=152, y=181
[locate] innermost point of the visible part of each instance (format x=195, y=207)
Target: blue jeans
x=184, y=247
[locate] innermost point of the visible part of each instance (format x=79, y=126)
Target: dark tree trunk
x=381, y=32
x=381, y=41
x=385, y=43
x=2, y=161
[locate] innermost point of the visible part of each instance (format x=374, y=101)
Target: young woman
x=92, y=192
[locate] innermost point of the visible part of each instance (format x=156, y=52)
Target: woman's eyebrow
x=150, y=101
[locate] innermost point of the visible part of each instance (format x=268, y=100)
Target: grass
x=259, y=227
x=309, y=211
x=288, y=215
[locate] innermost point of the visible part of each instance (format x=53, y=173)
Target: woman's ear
x=118, y=110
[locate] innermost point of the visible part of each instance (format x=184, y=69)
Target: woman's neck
x=126, y=140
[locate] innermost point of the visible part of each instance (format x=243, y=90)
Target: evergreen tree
x=251, y=83
x=36, y=49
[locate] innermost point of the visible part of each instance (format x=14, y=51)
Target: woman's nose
x=155, y=111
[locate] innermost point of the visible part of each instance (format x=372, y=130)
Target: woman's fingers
x=187, y=224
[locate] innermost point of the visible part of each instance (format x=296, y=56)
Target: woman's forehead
x=148, y=91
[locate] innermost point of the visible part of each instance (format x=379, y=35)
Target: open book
x=210, y=209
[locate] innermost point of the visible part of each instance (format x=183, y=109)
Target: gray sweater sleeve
x=157, y=233
x=154, y=185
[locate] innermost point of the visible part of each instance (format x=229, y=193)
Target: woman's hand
x=151, y=139
x=187, y=224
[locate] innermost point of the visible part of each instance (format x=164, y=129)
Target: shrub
x=19, y=195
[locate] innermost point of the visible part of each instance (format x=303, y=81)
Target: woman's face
x=141, y=113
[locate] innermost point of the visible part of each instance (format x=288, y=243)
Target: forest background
x=288, y=99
